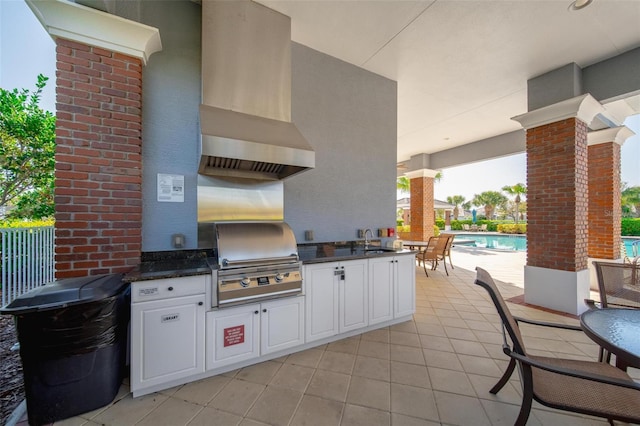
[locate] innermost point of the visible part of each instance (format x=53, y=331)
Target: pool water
x=516, y=242
x=498, y=242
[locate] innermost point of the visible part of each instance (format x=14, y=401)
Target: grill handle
x=259, y=262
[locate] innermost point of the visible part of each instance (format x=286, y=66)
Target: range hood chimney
x=245, y=117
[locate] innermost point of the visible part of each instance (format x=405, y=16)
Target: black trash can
x=73, y=344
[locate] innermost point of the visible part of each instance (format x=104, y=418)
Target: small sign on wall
x=170, y=188
x=233, y=335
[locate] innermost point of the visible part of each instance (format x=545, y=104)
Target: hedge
x=630, y=227
x=25, y=223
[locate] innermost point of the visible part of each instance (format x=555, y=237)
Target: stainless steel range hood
x=246, y=94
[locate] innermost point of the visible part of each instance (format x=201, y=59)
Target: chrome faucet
x=367, y=241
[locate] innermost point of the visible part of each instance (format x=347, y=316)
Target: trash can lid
x=66, y=292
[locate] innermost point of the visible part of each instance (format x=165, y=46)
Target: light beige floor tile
x=431, y=329
x=468, y=348
x=374, y=349
x=275, y=406
x=261, y=373
x=308, y=358
x=372, y=368
x=251, y=422
x=410, y=374
x=441, y=359
x=479, y=365
x=557, y=418
x=172, y=412
x=381, y=335
x=460, y=333
x=369, y=393
x=501, y=413
x=330, y=385
x=450, y=381
x=337, y=361
x=73, y=421
x=355, y=415
x=402, y=420
x=292, y=376
x=237, y=396
x=314, y=411
x=509, y=394
x=413, y=402
x=407, y=354
x=130, y=410
x=206, y=416
x=349, y=345
x=436, y=343
x=202, y=391
x=404, y=339
x=451, y=411
x=407, y=327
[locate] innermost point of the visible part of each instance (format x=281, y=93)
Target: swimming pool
x=515, y=242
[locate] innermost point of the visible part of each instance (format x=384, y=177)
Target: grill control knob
x=245, y=282
x=279, y=277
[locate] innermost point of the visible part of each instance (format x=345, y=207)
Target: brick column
x=556, y=274
x=422, y=213
x=98, y=196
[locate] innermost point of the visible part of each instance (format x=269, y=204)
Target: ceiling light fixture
x=579, y=4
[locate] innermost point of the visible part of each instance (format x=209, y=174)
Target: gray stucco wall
x=348, y=115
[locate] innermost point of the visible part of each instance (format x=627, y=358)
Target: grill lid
x=254, y=243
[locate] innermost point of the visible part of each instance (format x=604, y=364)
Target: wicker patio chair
x=586, y=387
x=618, y=284
x=434, y=252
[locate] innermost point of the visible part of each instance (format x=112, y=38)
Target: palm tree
x=404, y=184
x=456, y=200
x=489, y=199
x=516, y=190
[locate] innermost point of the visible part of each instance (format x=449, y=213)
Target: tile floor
x=434, y=370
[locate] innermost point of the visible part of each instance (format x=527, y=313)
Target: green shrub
x=24, y=223
x=440, y=223
x=512, y=228
x=404, y=228
x=630, y=226
x=436, y=230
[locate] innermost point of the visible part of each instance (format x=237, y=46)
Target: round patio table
x=617, y=331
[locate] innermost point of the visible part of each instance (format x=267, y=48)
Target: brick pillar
x=98, y=196
x=557, y=195
x=556, y=274
x=605, y=212
x=422, y=213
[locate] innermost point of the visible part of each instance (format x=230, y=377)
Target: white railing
x=27, y=260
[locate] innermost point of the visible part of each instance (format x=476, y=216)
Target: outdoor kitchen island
x=177, y=336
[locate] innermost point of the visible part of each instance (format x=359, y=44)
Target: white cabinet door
x=321, y=290
x=233, y=335
x=405, y=286
x=281, y=323
x=354, y=291
x=167, y=340
x=381, y=278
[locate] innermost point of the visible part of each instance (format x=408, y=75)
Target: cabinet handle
x=256, y=312
x=264, y=310
x=200, y=303
x=170, y=289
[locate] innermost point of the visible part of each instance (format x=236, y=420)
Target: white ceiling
x=461, y=65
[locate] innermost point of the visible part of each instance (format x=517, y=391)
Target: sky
x=26, y=50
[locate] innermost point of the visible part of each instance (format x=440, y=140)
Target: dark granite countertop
x=348, y=250
x=183, y=263
x=172, y=264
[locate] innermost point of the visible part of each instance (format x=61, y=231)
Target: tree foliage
x=456, y=200
x=631, y=201
x=490, y=200
x=27, y=153
x=517, y=190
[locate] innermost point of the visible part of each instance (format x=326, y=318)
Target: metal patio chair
x=436, y=251
x=586, y=387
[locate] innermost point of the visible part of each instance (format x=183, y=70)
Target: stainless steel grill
x=256, y=261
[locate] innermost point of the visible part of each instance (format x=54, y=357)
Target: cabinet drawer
x=142, y=291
